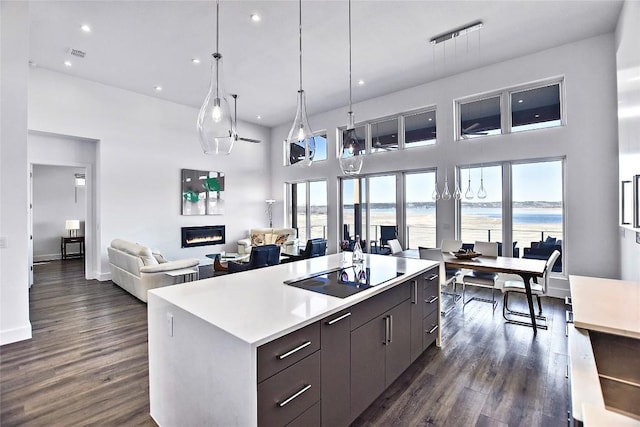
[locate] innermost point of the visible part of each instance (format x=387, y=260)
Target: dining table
x=528, y=269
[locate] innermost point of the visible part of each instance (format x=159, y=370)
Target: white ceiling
x=137, y=45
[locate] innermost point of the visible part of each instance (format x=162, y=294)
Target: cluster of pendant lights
x=217, y=129
x=457, y=194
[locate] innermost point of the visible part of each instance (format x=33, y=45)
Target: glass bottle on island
x=357, y=256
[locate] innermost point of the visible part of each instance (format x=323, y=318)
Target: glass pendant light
x=352, y=164
x=436, y=194
x=215, y=125
x=457, y=194
x=301, y=146
x=469, y=193
x=446, y=195
x=482, y=194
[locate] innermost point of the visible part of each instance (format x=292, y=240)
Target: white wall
x=588, y=141
x=628, y=66
x=14, y=177
x=144, y=143
x=55, y=200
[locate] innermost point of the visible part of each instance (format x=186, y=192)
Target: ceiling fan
x=235, y=121
x=468, y=131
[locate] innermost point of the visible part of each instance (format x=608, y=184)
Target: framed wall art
x=202, y=192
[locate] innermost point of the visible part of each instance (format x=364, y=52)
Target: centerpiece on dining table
x=466, y=254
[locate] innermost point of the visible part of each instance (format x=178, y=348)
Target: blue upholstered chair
x=261, y=256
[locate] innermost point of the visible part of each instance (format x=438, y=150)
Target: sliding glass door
x=420, y=210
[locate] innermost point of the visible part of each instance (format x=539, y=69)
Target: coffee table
x=225, y=257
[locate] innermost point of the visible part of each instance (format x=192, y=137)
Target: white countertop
x=257, y=307
x=606, y=305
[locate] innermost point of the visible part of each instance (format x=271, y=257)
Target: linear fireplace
x=202, y=236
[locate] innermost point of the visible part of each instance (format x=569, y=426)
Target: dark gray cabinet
x=335, y=364
x=329, y=372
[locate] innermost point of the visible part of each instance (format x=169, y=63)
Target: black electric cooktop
x=344, y=281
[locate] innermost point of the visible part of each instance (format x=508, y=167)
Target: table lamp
x=72, y=226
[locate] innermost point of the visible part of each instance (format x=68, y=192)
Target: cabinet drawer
x=431, y=296
x=289, y=393
x=279, y=354
x=430, y=329
x=366, y=310
x=309, y=418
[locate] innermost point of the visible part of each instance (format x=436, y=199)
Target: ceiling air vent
x=77, y=52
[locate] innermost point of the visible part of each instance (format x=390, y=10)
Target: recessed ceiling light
x=537, y=116
x=520, y=101
x=195, y=60
x=67, y=63
x=360, y=82
x=85, y=28
x=430, y=119
x=158, y=88
x=255, y=17
x=259, y=117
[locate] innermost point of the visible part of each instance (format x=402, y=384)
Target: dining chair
x=480, y=278
x=445, y=279
x=394, y=246
x=450, y=245
x=537, y=289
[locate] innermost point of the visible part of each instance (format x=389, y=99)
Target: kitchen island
x=247, y=349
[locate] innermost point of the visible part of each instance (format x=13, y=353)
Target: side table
x=184, y=274
x=64, y=241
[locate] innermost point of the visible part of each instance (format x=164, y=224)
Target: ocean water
x=520, y=216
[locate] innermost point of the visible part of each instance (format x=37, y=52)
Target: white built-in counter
x=203, y=335
x=602, y=305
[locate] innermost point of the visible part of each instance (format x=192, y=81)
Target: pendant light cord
x=300, y=38
x=217, y=54
x=350, y=104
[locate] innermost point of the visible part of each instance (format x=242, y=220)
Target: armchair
x=387, y=232
x=314, y=248
x=261, y=256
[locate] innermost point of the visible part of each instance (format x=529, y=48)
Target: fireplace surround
x=203, y=236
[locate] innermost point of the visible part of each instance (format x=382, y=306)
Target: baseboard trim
x=46, y=257
x=17, y=334
x=103, y=277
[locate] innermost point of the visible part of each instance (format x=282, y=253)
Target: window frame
x=506, y=120
x=293, y=209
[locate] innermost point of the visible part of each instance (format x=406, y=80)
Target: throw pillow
x=281, y=239
x=257, y=239
x=158, y=256
x=146, y=256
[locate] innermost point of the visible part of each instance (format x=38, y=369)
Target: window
x=361, y=141
x=480, y=118
x=481, y=218
x=535, y=108
x=420, y=210
x=297, y=151
x=511, y=110
x=420, y=129
x=384, y=135
x=537, y=207
x=532, y=223
x=309, y=209
x=364, y=211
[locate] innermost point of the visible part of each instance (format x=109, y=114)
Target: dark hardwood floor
x=87, y=364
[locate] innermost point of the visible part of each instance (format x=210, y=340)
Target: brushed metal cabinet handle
x=432, y=329
x=390, y=328
x=336, y=320
x=386, y=330
x=432, y=277
x=298, y=348
x=415, y=292
x=432, y=300
x=296, y=394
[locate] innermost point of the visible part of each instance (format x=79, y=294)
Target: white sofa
x=286, y=238
x=137, y=268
